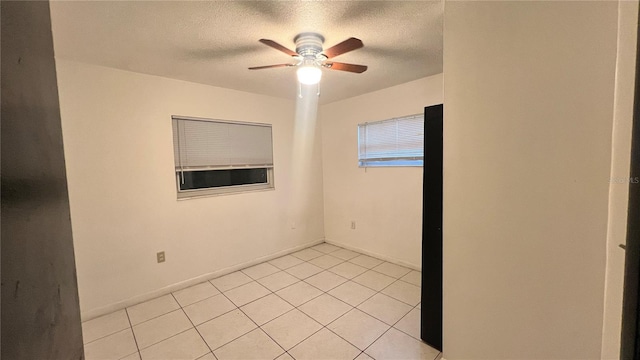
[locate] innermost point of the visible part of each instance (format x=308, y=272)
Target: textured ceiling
x=214, y=42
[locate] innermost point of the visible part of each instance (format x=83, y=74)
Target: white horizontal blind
x=394, y=142
x=204, y=144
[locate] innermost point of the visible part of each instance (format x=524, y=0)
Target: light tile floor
x=323, y=303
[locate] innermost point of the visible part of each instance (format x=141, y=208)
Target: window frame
x=223, y=190
x=398, y=161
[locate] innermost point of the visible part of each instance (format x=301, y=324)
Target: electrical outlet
x=160, y=256
x=353, y=225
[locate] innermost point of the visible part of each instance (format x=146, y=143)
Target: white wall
x=529, y=93
x=385, y=203
x=619, y=189
x=119, y=154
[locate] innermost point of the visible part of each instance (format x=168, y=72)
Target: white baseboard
x=379, y=256
x=107, y=309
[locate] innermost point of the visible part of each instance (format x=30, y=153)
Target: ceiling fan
x=310, y=57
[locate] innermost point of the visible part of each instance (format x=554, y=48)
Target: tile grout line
x=297, y=308
x=305, y=314
x=109, y=334
x=262, y=277
x=390, y=326
x=131, y=327
x=252, y=301
x=135, y=340
x=383, y=289
x=194, y=326
x=380, y=292
x=214, y=357
x=269, y=262
x=215, y=317
x=366, y=313
x=152, y=318
x=257, y=326
x=301, y=281
x=415, y=307
x=172, y=336
x=330, y=267
x=322, y=325
x=363, y=301
x=236, y=338
x=180, y=306
x=326, y=291
x=209, y=281
x=352, y=308
x=294, y=308
x=393, y=327
x=201, y=300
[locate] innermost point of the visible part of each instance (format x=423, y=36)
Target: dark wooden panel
x=431, y=315
x=40, y=308
x=630, y=340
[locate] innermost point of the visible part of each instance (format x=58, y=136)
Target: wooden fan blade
x=348, y=45
x=277, y=46
x=346, y=67
x=270, y=66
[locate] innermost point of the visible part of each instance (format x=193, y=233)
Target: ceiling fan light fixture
x=310, y=57
x=309, y=74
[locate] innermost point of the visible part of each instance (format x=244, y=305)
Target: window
x=393, y=142
x=215, y=156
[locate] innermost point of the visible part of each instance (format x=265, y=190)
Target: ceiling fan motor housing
x=309, y=45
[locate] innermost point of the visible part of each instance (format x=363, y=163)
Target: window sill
x=198, y=195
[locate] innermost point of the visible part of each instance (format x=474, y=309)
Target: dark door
x=630, y=337
x=40, y=307
x=431, y=315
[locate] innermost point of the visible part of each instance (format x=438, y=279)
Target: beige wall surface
x=529, y=93
x=385, y=203
x=619, y=189
x=119, y=153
